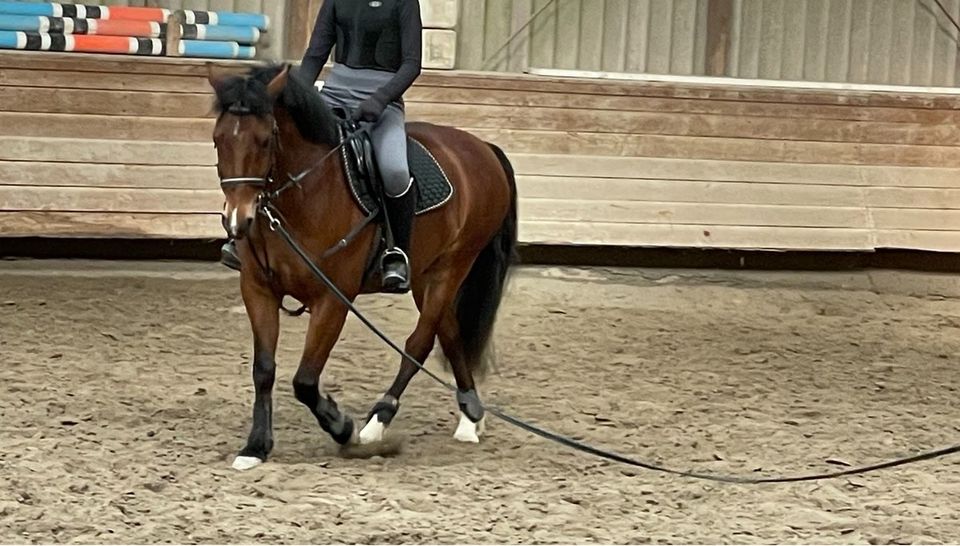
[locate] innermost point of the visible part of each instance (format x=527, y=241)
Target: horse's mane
x=248, y=94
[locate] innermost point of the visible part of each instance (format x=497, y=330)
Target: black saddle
x=430, y=182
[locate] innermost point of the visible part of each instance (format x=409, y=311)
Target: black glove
x=370, y=110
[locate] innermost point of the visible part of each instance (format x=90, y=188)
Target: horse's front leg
x=263, y=309
x=326, y=321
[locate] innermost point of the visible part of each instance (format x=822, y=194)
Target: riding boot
x=229, y=256
x=396, y=260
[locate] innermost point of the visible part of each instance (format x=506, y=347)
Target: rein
x=269, y=211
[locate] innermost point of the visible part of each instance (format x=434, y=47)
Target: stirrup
x=229, y=257
x=394, y=281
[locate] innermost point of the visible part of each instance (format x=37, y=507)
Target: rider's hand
x=370, y=110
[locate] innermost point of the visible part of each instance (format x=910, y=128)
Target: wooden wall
x=906, y=42
x=99, y=146
x=659, y=36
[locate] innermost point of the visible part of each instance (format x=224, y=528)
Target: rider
x=377, y=60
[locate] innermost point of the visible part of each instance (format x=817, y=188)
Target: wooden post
x=174, y=33
x=300, y=16
x=719, y=21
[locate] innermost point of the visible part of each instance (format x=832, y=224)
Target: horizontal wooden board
x=424, y=93
x=687, y=191
x=597, y=144
x=73, y=79
x=783, y=95
x=110, y=225
x=583, y=166
x=703, y=236
x=936, y=241
x=116, y=152
x=588, y=120
x=123, y=64
x=108, y=103
x=40, y=173
x=123, y=200
x=30, y=124
x=641, y=212
x=917, y=219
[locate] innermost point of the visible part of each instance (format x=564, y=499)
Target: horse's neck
x=322, y=195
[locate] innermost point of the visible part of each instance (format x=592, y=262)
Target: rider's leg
x=390, y=145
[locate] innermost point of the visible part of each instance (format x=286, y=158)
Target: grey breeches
x=348, y=87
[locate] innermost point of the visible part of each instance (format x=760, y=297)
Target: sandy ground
x=125, y=390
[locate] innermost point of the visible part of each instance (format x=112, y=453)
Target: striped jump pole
x=219, y=50
x=34, y=41
x=220, y=33
x=80, y=11
x=226, y=18
x=65, y=25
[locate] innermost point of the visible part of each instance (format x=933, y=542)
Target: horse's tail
x=479, y=297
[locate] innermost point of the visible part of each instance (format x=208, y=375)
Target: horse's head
x=247, y=141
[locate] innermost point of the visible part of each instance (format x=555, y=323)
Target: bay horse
x=272, y=126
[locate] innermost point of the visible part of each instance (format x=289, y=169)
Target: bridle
x=260, y=182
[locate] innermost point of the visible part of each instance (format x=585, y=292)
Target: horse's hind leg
x=436, y=294
x=471, y=425
x=418, y=345
x=326, y=322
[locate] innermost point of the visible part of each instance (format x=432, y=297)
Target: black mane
x=248, y=95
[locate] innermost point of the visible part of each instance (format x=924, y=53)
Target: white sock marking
x=468, y=431
x=373, y=431
x=246, y=463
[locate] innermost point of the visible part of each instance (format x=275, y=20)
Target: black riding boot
x=396, y=260
x=229, y=256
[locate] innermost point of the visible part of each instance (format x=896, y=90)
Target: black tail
x=480, y=294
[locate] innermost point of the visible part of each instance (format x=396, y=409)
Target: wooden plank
x=35, y=173
x=705, y=236
x=457, y=95
x=791, y=63
x=70, y=79
x=696, y=191
x=918, y=198
x=917, y=219
x=115, y=103
x=722, y=89
x=657, y=168
x=592, y=29
x=640, y=212
x=747, y=127
x=106, y=127
x=110, y=225
x=638, y=36
x=814, y=42
x=719, y=26
x=121, y=200
x=123, y=64
x=105, y=151
x=936, y=241
x=568, y=34
x=543, y=39
x=598, y=144
x=615, y=29
x=659, y=36
x=471, y=45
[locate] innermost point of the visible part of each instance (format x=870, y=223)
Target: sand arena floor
x=125, y=390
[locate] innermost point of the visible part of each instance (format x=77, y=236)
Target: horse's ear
x=217, y=75
x=279, y=82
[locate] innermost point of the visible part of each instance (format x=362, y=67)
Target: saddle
x=430, y=181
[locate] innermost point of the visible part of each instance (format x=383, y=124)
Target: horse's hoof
x=246, y=463
x=468, y=431
x=373, y=431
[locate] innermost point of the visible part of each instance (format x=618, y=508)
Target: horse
x=276, y=139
